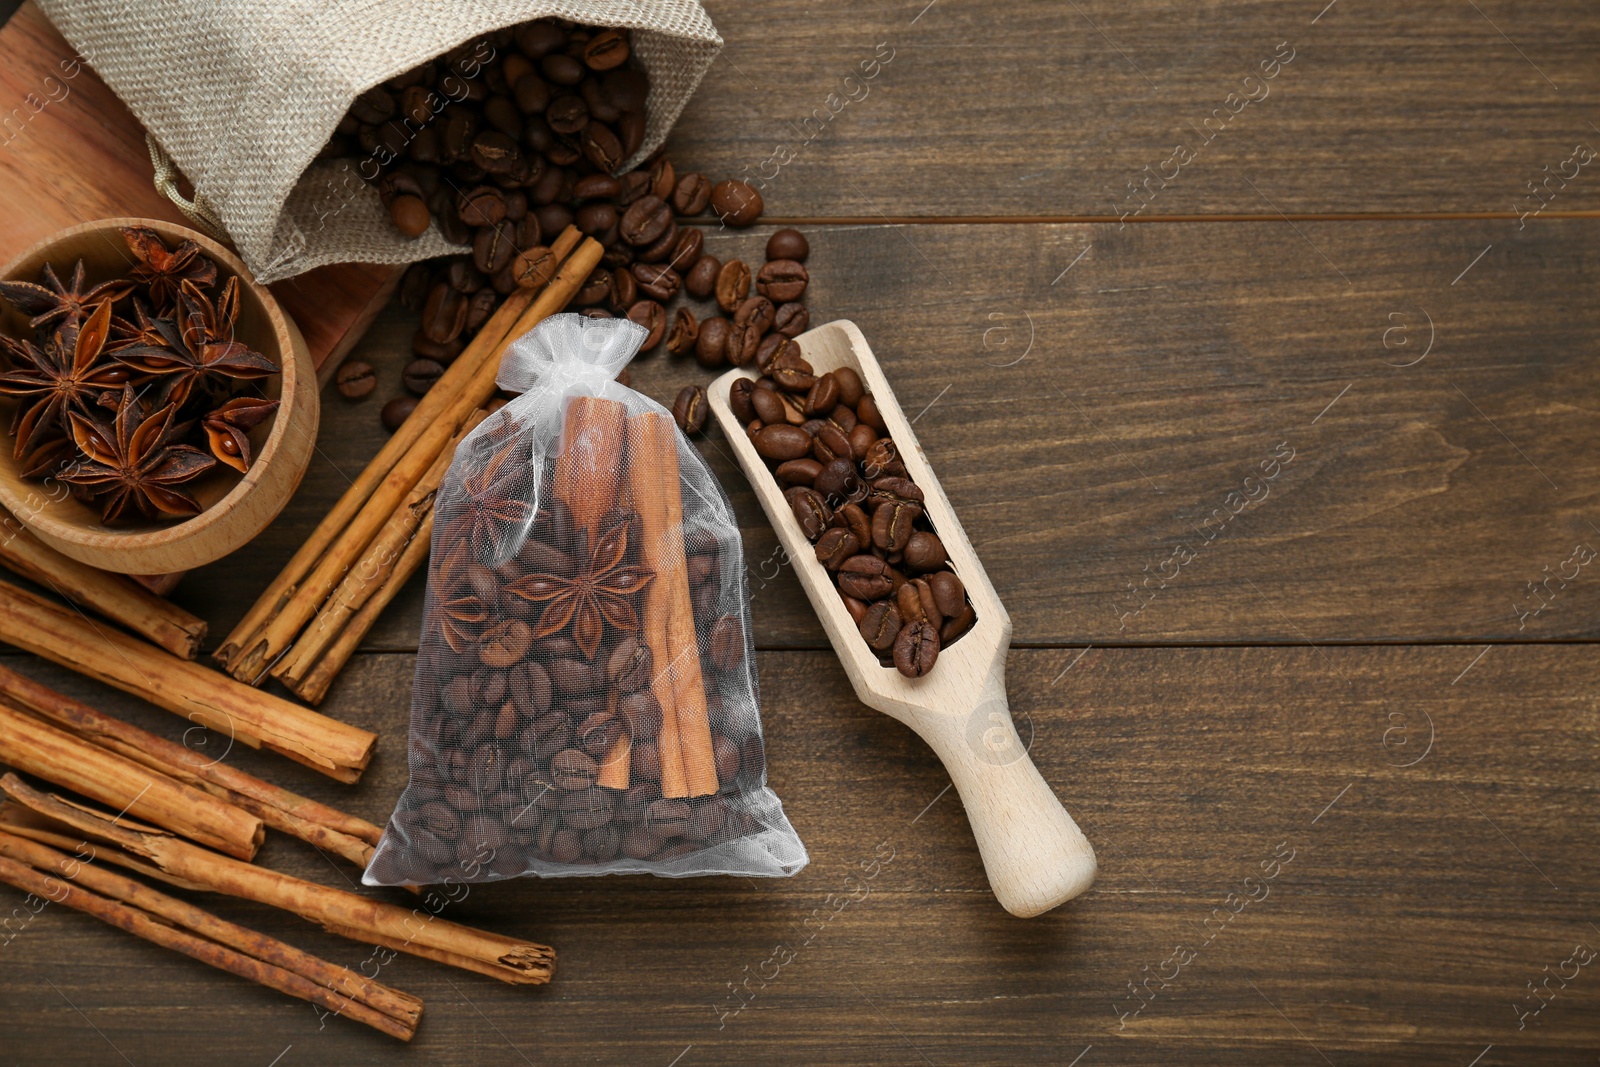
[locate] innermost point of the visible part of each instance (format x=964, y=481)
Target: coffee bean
x=653, y=317
x=624, y=291
x=573, y=769
x=862, y=438
x=656, y=281
x=924, y=551
x=882, y=458
x=916, y=649
x=710, y=346
x=781, y=441
x=701, y=280
x=881, y=625
x=668, y=818
x=865, y=578
x=420, y=374
x=867, y=411
x=948, y=593
x=572, y=677
x=355, y=379
x=397, y=411
x=598, y=733
x=728, y=759
x=824, y=395
x=772, y=347
x=788, y=244
x=782, y=281
x=736, y=203
x=597, y=187
x=444, y=315
x=756, y=311
x=707, y=819
x=829, y=442
x=586, y=808
x=641, y=713
x=410, y=215
x=891, y=526
x=692, y=194
x=645, y=220
x=726, y=643
x=791, y=320
x=595, y=218
x=504, y=643
x=802, y=471
x=689, y=409
x=957, y=625
x=629, y=664
x=606, y=50
x=851, y=517
x=733, y=285
x=810, y=509
x=739, y=399
x=835, y=546
x=686, y=250
x=659, y=250
x=684, y=332
x=601, y=147
x=484, y=205
x=794, y=379
x=492, y=247
x=561, y=69
x=768, y=405
x=850, y=388
x=839, y=482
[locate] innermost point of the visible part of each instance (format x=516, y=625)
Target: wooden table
x=1335, y=675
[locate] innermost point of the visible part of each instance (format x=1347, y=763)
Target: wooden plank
x=1412, y=911
x=71, y=152
x=1091, y=397
x=1053, y=109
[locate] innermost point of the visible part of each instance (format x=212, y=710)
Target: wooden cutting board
x=70, y=152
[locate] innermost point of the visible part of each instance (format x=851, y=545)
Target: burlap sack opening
x=241, y=96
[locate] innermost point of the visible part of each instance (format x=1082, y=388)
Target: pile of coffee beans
x=511, y=733
x=826, y=442
x=505, y=141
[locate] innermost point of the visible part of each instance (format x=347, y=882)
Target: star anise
x=490, y=508
x=200, y=351
x=54, y=305
x=131, y=333
x=58, y=378
x=163, y=271
x=466, y=597
x=598, y=594
x=132, y=466
x=228, y=428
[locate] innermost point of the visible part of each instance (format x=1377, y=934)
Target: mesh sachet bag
x=585, y=695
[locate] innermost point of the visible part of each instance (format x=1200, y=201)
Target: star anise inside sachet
x=599, y=593
x=466, y=597
x=133, y=464
x=492, y=508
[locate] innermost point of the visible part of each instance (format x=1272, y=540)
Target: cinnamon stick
x=236, y=711
x=361, y=581
x=59, y=757
x=510, y=960
x=290, y=601
x=142, y=925
x=111, y=893
x=314, y=686
x=113, y=596
x=588, y=470
x=671, y=565
x=309, y=820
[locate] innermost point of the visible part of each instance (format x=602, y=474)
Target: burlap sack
x=242, y=94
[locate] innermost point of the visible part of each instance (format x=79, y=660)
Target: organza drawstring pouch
x=585, y=697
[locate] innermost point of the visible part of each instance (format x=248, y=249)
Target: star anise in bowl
x=128, y=389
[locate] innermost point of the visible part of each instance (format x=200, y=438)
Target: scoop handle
x=1034, y=854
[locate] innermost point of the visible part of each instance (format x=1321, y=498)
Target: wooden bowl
x=236, y=507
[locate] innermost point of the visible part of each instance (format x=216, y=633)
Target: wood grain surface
x=1278, y=480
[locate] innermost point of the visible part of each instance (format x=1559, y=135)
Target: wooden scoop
x=1035, y=855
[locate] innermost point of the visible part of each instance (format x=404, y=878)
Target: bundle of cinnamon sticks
x=308, y=622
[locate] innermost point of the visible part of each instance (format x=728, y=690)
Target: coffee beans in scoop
x=829, y=448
